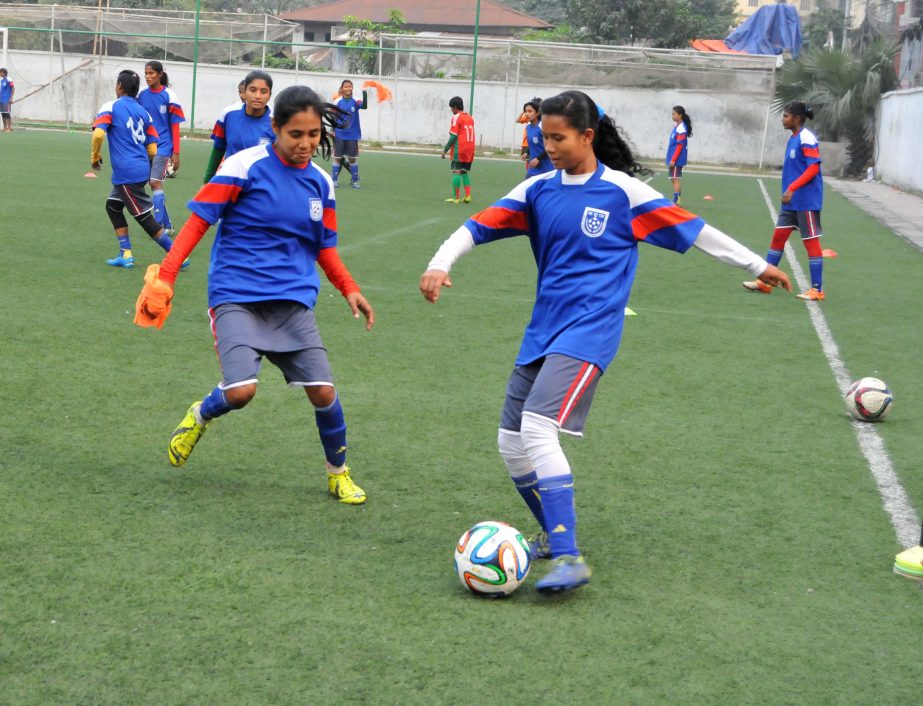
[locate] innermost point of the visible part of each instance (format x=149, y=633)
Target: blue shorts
x=345, y=148
x=805, y=222
x=283, y=331
x=676, y=171
x=557, y=387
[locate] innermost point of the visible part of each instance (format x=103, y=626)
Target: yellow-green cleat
x=344, y=488
x=185, y=436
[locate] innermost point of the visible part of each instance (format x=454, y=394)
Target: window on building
x=806, y=5
x=754, y=3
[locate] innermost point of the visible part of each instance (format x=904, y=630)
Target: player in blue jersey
x=678, y=149
x=533, y=147
x=132, y=147
x=802, y=200
x=584, y=222
x=277, y=214
x=243, y=125
x=7, y=91
x=348, y=133
x=164, y=107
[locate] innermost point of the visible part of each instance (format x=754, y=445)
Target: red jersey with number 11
x=463, y=128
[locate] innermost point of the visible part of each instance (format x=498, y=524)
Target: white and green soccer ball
x=869, y=400
x=492, y=558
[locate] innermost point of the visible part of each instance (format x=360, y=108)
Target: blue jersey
x=6, y=89
x=275, y=218
x=536, y=145
x=164, y=107
x=584, y=234
x=802, y=150
x=130, y=130
x=235, y=130
x=349, y=127
x=678, y=139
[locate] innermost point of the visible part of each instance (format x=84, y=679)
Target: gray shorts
x=557, y=387
x=807, y=222
x=159, y=167
x=133, y=196
x=5, y=108
x=345, y=148
x=283, y=331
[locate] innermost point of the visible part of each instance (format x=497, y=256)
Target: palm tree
x=844, y=90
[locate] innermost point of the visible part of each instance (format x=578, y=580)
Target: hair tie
x=602, y=113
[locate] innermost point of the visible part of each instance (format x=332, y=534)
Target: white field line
x=893, y=496
x=387, y=234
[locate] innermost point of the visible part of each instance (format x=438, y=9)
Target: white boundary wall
x=899, y=161
x=728, y=128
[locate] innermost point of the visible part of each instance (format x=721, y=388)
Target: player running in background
x=277, y=218
x=132, y=147
x=347, y=133
x=243, y=125
x=7, y=90
x=802, y=200
x=678, y=150
x=461, y=143
x=533, y=144
x=164, y=107
x=584, y=222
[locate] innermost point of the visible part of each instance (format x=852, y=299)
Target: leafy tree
x=363, y=34
x=665, y=23
x=819, y=24
x=843, y=89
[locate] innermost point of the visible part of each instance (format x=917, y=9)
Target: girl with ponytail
x=584, y=221
x=677, y=150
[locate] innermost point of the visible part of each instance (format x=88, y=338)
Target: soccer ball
x=869, y=400
x=492, y=558
x=171, y=170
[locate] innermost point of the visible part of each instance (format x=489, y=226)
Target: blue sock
x=560, y=516
x=816, y=265
x=124, y=242
x=527, y=486
x=159, y=205
x=354, y=171
x=164, y=240
x=774, y=257
x=167, y=223
x=675, y=196
x=331, y=425
x=215, y=405
x=336, y=170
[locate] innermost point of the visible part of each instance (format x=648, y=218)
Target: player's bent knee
x=116, y=216
x=514, y=455
x=150, y=225
x=540, y=440
x=321, y=395
x=240, y=396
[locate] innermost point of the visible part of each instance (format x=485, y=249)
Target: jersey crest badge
x=791, y=155
x=594, y=222
x=317, y=209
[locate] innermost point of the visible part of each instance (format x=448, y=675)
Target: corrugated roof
x=419, y=13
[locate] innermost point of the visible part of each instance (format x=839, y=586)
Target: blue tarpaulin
x=769, y=30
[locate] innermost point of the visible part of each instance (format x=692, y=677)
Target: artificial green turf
x=739, y=546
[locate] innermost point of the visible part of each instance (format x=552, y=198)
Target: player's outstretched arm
x=432, y=282
x=724, y=248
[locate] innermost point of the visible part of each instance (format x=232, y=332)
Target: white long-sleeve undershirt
x=710, y=240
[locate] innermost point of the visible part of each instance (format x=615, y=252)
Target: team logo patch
x=264, y=140
x=791, y=155
x=317, y=209
x=594, y=222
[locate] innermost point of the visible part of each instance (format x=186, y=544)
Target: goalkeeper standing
x=277, y=215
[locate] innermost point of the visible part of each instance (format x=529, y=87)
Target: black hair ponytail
x=687, y=121
x=130, y=82
x=800, y=110
x=296, y=99
x=581, y=113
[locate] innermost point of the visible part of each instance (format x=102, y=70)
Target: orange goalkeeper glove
x=154, y=302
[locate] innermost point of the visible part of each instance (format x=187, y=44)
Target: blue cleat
x=538, y=546
x=185, y=264
x=120, y=261
x=567, y=572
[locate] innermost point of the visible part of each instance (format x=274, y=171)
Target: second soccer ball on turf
x=869, y=400
x=492, y=558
